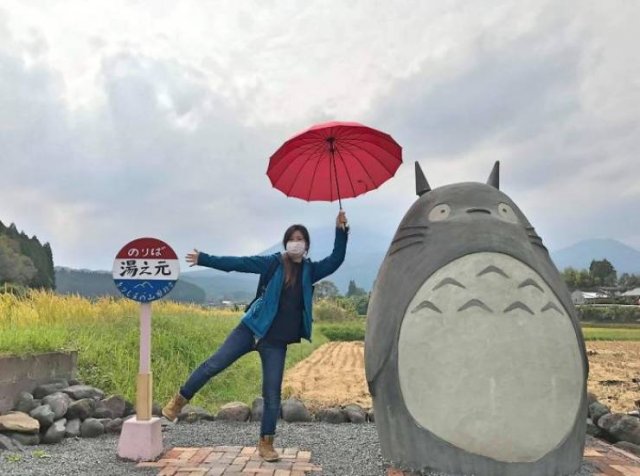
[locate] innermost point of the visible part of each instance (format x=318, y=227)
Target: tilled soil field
x=334, y=375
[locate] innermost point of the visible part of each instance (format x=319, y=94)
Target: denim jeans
x=238, y=343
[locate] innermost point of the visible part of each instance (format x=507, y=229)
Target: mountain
x=624, y=259
x=100, y=283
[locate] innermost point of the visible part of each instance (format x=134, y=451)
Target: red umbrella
x=334, y=160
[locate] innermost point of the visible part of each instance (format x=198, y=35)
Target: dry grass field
x=334, y=374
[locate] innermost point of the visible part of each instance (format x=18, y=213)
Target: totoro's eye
x=440, y=212
x=507, y=213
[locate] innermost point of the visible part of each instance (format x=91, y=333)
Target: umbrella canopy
x=334, y=160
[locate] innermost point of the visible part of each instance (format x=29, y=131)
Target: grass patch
x=105, y=332
x=344, y=331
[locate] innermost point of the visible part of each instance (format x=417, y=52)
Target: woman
x=281, y=316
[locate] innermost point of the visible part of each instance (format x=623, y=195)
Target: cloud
x=160, y=122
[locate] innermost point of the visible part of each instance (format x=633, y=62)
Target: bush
x=14, y=289
x=329, y=310
x=344, y=332
x=609, y=313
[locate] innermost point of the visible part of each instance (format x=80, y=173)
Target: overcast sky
x=157, y=118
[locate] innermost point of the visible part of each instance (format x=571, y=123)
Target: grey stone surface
x=114, y=426
x=371, y=415
x=627, y=428
x=294, y=410
x=25, y=402
x=82, y=409
x=234, y=411
x=90, y=428
x=598, y=410
x=257, y=407
x=115, y=403
x=129, y=408
x=56, y=432
x=7, y=443
x=42, y=391
x=355, y=413
x=44, y=414
x=27, y=439
x=607, y=421
x=102, y=411
x=191, y=413
x=78, y=392
x=59, y=403
x=72, y=428
x=593, y=429
x=466, y=299
x=331, y=415
x=630, y=447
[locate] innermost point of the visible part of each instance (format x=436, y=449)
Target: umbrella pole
x=335, y=171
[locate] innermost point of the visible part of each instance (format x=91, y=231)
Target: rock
x=630, y=447
x=28, y=439
x=90, y=428
x=104, y=421
x=73, y=428
x=42, y=391
x=598, y=410
x=634, y=413
x=355, y=413
x=156, y=409
x=114, y=426
x=192, y=414
x=371, y=415
x=56, y=432
x=257, y=408
x=129, y=408
x=331, y=415
x=73, y=381
x=593, y=429
x=7, y=443
x=19, y=422
x=101, y=410
x=78, y=392
x=117, y=405
x=294, y=410
x=626, y=428
x=25, y=402
x=59, y=403
x=82, y=409
x=44, y=414
x=234, y=411
x=607, y=421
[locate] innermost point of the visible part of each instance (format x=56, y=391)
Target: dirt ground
x=334, y=375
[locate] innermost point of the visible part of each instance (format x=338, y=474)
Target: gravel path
x=341, y=450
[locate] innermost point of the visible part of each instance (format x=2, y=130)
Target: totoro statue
x=473, y=351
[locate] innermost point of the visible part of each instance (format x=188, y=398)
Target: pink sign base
x=140, y=440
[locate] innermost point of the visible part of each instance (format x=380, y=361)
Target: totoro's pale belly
x=489, y=361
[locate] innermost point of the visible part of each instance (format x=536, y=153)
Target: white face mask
x=296, y=248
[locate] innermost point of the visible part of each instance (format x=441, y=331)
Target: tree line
x=601, y=273
x=25, y=261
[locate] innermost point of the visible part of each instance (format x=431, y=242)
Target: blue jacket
x=262, y=312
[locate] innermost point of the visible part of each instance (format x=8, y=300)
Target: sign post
x=144, y=270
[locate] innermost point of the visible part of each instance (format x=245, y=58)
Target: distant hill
x=100, y=283
x=625, y=259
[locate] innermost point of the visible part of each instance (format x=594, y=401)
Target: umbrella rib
x=363, y=167
x=313, y=178
x=293, y=183
x=353, y=190
x=353, y=144
x=300, y=155
x=299, y=151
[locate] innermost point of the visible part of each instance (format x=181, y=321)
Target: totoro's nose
x=478, y=210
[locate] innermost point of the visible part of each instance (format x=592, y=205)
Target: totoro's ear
x=494, y=178
x=422, y=186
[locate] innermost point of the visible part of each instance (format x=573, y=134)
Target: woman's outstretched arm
x=328, y=265
x=244, y=264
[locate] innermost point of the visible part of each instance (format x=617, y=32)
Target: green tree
x=14, y=267
x=325, y=290
x=354, y=290
x=603, y=273
x=570, y=276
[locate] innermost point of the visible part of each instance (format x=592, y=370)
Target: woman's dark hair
x=288, y=269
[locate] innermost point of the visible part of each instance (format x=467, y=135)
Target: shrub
x=609, y=313
x=345, y=331
x=329, y=310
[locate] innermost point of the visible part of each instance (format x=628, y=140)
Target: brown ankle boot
x=265, y=448
x=171, y=409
